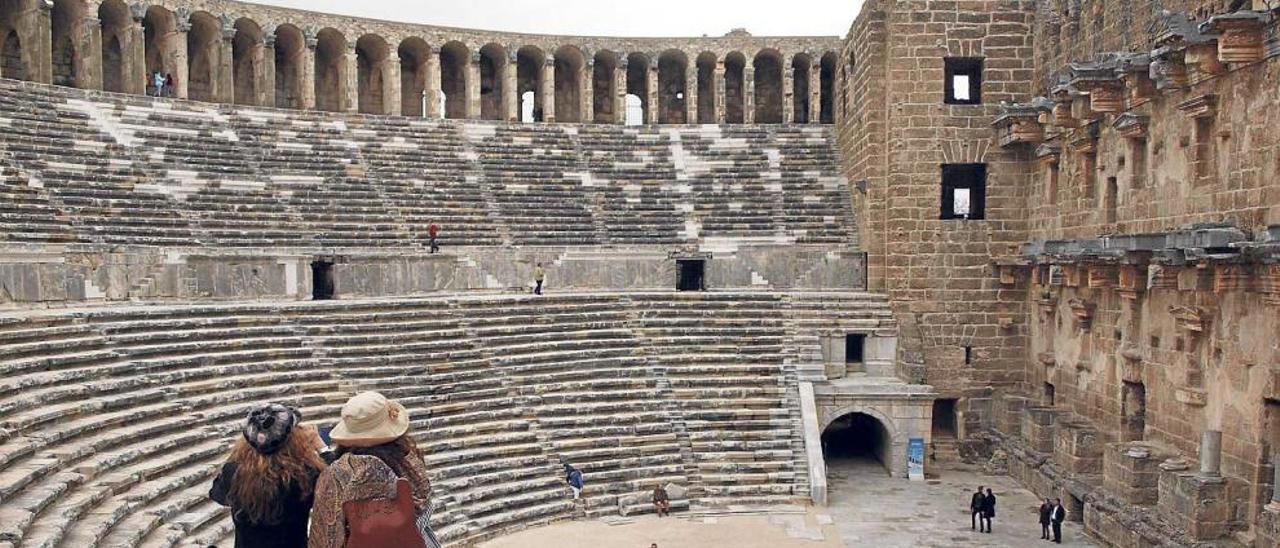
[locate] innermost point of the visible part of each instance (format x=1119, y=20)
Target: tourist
x=661, y=502
x=169, y=86
x=574, y=478
x=1045, y=509
x=538, y=275
x=374, y=452
x=975, y=508
x=988, y=509
x=433, y=230
x=157, y=82
x=268, y=479
x=1059, y=514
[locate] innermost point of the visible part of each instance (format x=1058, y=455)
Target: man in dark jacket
x=1045, y=509
x=574, y=478
x=988, y=509
x=1058, y=514
x=975, y=508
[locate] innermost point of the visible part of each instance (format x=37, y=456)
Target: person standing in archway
x=975, y=508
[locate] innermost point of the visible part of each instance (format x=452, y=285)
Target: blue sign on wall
x=915, y=458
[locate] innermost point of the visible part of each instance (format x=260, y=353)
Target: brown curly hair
x=394, y=453
x=261, y=480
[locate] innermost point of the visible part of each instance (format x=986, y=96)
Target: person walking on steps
x=573, y=477
x=538, y=276
x=157, y=82
x=1045, y=510
x=433, y=230
x=975, y=508
x=1059, y=514
x=988, y=509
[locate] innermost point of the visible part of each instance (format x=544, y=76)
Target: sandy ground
x=672, y=532
x=869, y=509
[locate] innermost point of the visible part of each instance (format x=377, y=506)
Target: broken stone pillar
x=510, y=95
x=548, y=89
x=1211, y=454
x=1132, y=472
x=748, y=95
x=349, y=95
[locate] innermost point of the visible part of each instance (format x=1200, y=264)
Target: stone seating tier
x=113, y=419
x=86, y=167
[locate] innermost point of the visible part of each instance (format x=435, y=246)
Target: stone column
x=307, y=70
x=815, y=93
x=88, y=67
x=691, y=95
x=651, y=85
x=432, y=87
x=349, y=94
x=224, y=79
x=620, y=92
x=472, y=86
x=135, y=59
x=1211, y=454
x=38, y=44
x=266, y=86
x=510, y=91
x=748, y=95
x=178, y=61
x=548, y=91
x=588, y=95
x=717, y=80
x=391, y=84
x=788, y=93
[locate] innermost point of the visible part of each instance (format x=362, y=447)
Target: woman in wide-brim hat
x=374, y=450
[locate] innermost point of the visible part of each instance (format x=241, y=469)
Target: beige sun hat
x=370, y=419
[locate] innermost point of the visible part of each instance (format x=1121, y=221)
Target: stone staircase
x=139, y=171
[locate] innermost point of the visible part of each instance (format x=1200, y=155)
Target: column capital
x=550, y=60
x=228, y=26
x=269, y=35
x=138, y=11
x=44, y=5
x=475, y=57
x=513, y=54
x=311, y=36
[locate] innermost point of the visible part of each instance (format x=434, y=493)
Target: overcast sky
x=605, y=17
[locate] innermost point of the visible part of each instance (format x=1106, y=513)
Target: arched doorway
x=672, y=95
x=569, y=65
x=768, y=87
x=706, y=88
x=371, y=75
x=735, y=65
x=529, y=73
x=247, y=62
x=638, y=84
x=800, y=71
x=827, y=101
x=413, y=53
x=66, y=28
x=857, y=440
x=17, y=17
x=289, y=58
x=116, y=21
x=604, y=87
x=330, y=72
x=203, y=53
x=454, y=57
x=493, y=65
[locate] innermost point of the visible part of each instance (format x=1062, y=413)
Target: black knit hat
x=268, y=426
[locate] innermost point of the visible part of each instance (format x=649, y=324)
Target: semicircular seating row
x=113, y=419
x=82, y=167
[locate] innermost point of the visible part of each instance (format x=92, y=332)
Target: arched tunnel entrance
x=857, y=439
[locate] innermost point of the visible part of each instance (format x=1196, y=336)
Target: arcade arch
x=672, y=92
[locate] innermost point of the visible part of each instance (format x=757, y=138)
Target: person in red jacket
x=433, y=230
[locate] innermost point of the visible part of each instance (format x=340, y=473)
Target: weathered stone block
x=1131, y=471
x=1199, y=505
x=1038, y=425
x=1077, y=448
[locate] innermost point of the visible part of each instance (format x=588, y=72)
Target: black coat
x=1059, y=514
x=989, y=505
x=1045, y=511
x=291, y=532
x=976, y=502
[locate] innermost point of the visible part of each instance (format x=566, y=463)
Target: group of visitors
x=982, y=507
x=162, y=84
x=369, y=489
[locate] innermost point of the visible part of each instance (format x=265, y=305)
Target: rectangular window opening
x=964, y=191
x=1110, y=200
x=692, y=275
x=963, y=80
x=323, y=287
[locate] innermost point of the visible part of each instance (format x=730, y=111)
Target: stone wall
x=53, y=277
x=961, y=329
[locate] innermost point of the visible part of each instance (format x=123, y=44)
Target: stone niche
x=1131, y=471
x=1077, y=447
x=1038, y=428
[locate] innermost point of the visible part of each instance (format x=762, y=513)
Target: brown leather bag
x=383, y=523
